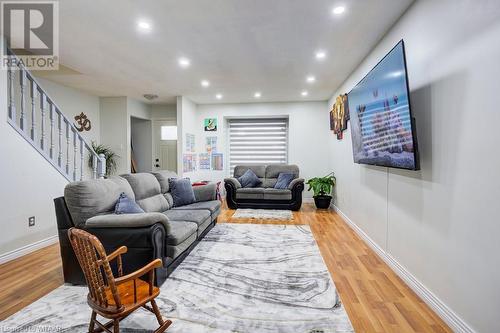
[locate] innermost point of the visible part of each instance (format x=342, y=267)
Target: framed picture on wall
x=210, y=124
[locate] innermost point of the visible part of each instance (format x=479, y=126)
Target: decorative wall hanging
x=217, y=161
x=83, y=123
x=204, y=161
x=211, y=144
x=210, y=124
x=339, y=116
x=190, y=143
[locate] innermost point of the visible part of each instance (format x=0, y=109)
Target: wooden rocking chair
x=110, y=297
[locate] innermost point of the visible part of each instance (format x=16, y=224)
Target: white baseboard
x=456, y=323
x=6, y=257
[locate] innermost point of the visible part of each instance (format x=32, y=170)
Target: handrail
x=75, y=143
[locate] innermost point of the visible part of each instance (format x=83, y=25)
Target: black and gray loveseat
x=265, y=195
x=163, y=231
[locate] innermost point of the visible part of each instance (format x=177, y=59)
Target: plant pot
x=322, y=201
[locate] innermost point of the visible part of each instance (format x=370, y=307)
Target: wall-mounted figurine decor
x=83, y=123
x=339, y=116
x=210, y=124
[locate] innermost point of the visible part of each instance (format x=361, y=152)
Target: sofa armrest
x=296, y=182
x=205, y=192
x=233, y=182
x=127, y=220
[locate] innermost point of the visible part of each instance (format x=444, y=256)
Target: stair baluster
x=68, y=145
x=34, y=93
x=12, y=108
x=22, y=81
x=75, y=154
x=52, y=141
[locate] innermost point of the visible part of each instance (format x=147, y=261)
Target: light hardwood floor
x=375, y=298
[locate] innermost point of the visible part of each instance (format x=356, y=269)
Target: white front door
x=165, y=152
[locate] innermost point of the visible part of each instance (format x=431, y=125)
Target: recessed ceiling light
x=311, y=79
x=184, y=62
x=304, y=93
x=218, y=96
x=205, y=83
x=144, y=26
x=320, y=55
x=338, y=10
x=257, y=95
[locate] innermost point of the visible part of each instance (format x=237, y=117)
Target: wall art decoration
x=190, y=143
x=82, y=123
x=217, y=161
x=204, y=159
x=339, y=115
x=188, y=162
x=211, y=144
x=210, y=124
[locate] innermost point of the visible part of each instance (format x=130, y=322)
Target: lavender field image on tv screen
x=381, y=123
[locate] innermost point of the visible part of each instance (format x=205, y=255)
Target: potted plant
x=322, y=189
x=109, y=155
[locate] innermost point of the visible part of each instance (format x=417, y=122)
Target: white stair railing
x=45, y=126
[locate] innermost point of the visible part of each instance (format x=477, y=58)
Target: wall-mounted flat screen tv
x=382, y=126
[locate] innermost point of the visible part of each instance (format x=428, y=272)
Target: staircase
x=36, y=117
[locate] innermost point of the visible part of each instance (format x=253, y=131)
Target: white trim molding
x=6, y=257
x=456, y=323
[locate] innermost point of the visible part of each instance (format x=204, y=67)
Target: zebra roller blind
x=258, y=141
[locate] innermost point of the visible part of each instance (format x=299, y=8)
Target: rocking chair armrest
x=119, y=251
x=140, y=272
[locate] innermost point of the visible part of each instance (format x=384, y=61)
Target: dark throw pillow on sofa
x=284, y=179
x=125, y=205
x=249, y=179
x=182, y=191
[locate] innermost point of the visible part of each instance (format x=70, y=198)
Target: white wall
x=186, y=123
x=115, y=130
x=141, y=133
x=440, y=223
x=163, y=111
x=308, y=133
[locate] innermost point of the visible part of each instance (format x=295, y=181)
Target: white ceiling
x=240, y=46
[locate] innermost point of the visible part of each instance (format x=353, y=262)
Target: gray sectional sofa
x=265, y=195
x=163, y=231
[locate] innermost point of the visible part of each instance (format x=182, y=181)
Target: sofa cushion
x=89, y=198
x=127, y=220
x=197, y=216
x=284, y=179
x=181, y=191
x=125, y=205
x=250, y=193
x=173, y=251
x=163, y=177
x=147, y=192
x=180, y=231
x=213, y=206
x=273, y=171
x=277, y=194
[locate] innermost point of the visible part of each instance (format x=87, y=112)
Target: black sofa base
x=294, y=204
x=151, y=243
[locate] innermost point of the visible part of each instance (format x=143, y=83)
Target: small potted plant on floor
x=322, y=189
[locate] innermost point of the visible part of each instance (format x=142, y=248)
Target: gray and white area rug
x=275, y=214
x=240, y=278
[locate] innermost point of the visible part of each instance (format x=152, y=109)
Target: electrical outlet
x=31, y=221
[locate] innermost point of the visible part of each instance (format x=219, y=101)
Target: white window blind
x=258, y=141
